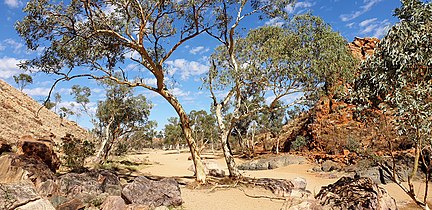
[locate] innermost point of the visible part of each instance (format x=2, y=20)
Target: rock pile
x=357, y=193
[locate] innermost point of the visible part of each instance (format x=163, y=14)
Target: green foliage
x=76, y=151
x=122, y=113
x=203, y=125
x=299, y=143
x=353, y=144
x=22, y=80
x=398, y=78
x=173, y=132
x=121, y=148
x=143, y=136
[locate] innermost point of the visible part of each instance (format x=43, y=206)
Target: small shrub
x=352, y=144
x=76, y=151
x=121, y=149
x=299, y=142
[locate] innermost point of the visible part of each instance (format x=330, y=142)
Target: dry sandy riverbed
x=172, y=164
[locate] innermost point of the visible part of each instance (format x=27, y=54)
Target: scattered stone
x=40, y=204
x=74, y=204
x=48, y=188
x=309, y=204
x=359, y=193
x=272, y=163
x=113, y=203
x=165, y=192
x=299, y=183
x=91, y=187
x=329, y=165
x=280, y=187
x=57, y=200
x=211, y=168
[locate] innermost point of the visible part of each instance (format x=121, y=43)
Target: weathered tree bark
x=224, y=134
x=185, y=124
x=104, y=142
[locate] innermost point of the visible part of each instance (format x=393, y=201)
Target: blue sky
x=362, y=18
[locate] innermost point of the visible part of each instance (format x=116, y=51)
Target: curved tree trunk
x=187, y=131
x=223, y=135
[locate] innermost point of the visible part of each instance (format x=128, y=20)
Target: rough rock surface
x=165, y=192
x=363, y=47
x=15, y=168
x=211, y=168
x=74, y=204
x=359, y=193
x=41, y=150
x=272, y=163
x=13, y=195
x=19, y=117
x=41, y=204
x=329, y=165
x=113, y=203
x=89, y=187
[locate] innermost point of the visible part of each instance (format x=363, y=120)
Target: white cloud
x=199, y=49
x=16, y=46
x=368, y=4
x=277, y=21
x=76, y=107
x=179, y=92
x=150, y=81
x=9, y=67
x=367, y=22
x=186, y=68
x=13, y=3
x=372, y=27
x=39, y=91
x=350, y=25
x=299, y=7
x=382, y=30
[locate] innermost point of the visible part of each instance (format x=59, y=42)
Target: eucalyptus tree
x=304, y=57
x=172, y=131
x=398, y=79
x=93, y=39
x=121, y=114
x=203, y=126
x=22, y=80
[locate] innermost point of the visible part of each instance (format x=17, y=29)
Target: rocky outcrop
x=361, y=48
x=272, y=163
x=143, y=191
x=20, y=116
x=17, y=168
x=39, y=149
x=357, y=193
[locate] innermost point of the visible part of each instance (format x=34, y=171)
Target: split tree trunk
x=187, y=131
x=104, y=142
x=223, y=135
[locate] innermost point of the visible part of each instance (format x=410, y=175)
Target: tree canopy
x=398, y=80
x=305, y=56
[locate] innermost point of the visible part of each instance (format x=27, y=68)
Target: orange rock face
x=361, y=48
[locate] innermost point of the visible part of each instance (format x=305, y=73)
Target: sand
x=173, y=164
